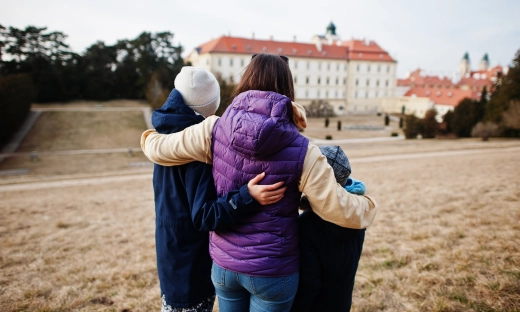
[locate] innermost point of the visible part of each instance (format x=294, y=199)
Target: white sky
x=432, y=35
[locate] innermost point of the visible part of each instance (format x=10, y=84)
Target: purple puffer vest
x=254, y=135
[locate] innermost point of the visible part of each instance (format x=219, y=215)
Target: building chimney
x=253, y=35
x=294, y=38
x=271, y=38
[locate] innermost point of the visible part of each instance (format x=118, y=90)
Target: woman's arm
x=191, y=144
x=328, y=199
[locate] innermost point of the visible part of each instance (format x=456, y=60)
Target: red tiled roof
x=227, y=44
x=473, y=82
x=441, y=96
x=419, y=80
x=366, y=50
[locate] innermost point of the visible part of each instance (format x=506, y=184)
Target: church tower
x=484, y=63
x=330, y=35
x=464, y=67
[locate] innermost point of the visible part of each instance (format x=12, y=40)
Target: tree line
x=36, y=65
x=496, y=113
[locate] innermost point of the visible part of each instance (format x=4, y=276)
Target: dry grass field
x=446, y=238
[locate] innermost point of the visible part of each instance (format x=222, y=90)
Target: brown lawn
x=446, y=237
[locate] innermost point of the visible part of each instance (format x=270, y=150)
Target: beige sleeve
x=188, y=145
x=328, y=199
x=299, y=116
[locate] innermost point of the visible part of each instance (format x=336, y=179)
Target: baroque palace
x=351, y=76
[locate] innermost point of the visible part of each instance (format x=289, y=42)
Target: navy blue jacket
x=329, y=257
x=186, y=207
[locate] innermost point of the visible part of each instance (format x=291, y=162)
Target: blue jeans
x=239, y=292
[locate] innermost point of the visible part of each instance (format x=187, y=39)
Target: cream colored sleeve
x=188, y=145
x=299, y=116
x=328, y=199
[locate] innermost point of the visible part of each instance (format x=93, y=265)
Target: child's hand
x=265, y=194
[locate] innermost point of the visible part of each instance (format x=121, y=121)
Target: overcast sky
x=432, y=35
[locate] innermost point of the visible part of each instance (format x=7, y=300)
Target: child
x=329, y=254
x=186, y=203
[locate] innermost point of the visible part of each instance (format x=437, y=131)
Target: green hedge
x=16, y=95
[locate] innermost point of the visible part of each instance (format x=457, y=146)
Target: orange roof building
x=352, y=76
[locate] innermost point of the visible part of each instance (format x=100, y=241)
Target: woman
x=255, y=262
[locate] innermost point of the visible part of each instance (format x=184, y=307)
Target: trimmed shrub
x=484, y=130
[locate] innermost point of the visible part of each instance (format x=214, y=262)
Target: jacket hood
x=174, y=115
x=261, y=123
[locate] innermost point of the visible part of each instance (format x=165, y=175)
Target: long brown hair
x=267, y=72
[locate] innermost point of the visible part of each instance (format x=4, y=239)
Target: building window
x=336, y=95
x=219, y=62
x=295, y=65
x=307, y=80
x=327, y=80
x=386, y=83
x=319, y=80
x=357, y=82
x=328, y=66
x=231, y=62
x=388, y=68
x=366, y=95
x=368, y=68
x=378, y=68
x=242, y=62
x=344, y=81
x=337, y=67
x=376, y=93
x=295, y=80
x=326, y=94
x=337, y=81
x=318, y=94
x=319, y=65
x=377, y=82
x=345, y=67
x=368, y=82
x=308, y=65
x=306, y=94
x=207, y=61
x=355, y=95
x=343, y=93
x=357, y=68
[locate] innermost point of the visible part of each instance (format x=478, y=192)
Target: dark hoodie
x=186, y=207
x=329, y=254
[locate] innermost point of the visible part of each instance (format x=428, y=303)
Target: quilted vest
x=254, y=135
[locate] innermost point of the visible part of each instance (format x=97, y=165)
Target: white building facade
x=351, y=76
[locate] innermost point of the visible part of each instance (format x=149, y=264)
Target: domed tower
x=464, y=67
x=484, y=63
x=331, y=29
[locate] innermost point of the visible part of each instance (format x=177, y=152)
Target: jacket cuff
x=246, y=197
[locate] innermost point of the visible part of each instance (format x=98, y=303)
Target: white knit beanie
x=199, y=89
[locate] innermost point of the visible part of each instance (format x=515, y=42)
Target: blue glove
x=355, y=187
